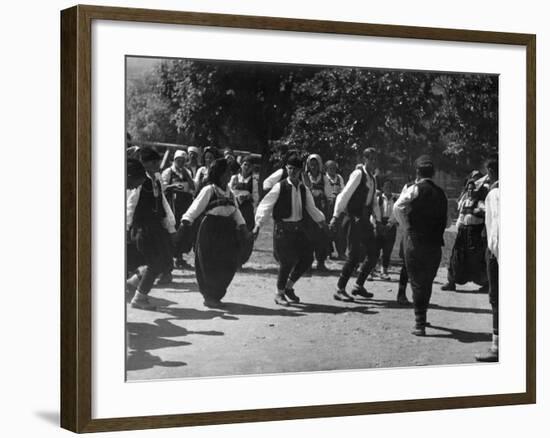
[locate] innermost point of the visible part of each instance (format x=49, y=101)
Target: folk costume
x=386, y=229
x=293, y=211
x=357, y=200
x=150, y=221
x=333, y=187
x=492, y=260
x=422, y=211
x=317, y=184
x=246, y=192
x=219, y=245
x=467, y=261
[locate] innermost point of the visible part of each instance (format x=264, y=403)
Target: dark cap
x=423, y=161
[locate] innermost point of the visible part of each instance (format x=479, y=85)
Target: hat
x=294, y=160
x=148, y=154
x=423, y=161
x=193, y=149
x=180, y=153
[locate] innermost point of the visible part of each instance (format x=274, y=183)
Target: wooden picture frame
x=76, y=217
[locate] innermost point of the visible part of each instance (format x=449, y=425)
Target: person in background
x=468, y=255
x=178, y=188
x=192, y=165
x=492, y=216
x=386, y=226
x=403, y=275
x=135, y=177
x=279, y=174
x=201, y=177
x=289, y=202
x=422, y=211
x=221, y=234
x=234, y=165
x=357, y=199
x=334, y=184
x=150, y=221
x=314, y=179
x=245, y=188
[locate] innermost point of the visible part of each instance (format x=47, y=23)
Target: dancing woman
x=221, y=236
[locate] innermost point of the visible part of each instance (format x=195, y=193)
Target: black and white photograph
x=289, y=218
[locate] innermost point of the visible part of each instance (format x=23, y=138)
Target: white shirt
x=333, y=186
x=265, y=209
x=354, y=180
x=469, y=218
x=385, y=210
x=240, y=179
x=492, y=202
x=272, y=179
x=203, y=198
x=132, y=199
x=167, y=174
x=402, y=206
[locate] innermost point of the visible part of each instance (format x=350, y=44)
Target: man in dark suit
x=422, y=212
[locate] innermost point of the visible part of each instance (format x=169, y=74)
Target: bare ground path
x=253, y=335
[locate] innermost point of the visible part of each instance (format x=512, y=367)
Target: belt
x=290, y=226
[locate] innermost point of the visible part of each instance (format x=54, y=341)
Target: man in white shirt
x=357, y=200
x=492, y=207
x=289, y=201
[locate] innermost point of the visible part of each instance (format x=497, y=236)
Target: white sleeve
x=491, y=221
x=199, y=205
x=132, y=198
x=343, y=198
x=232, y=183
x=255, y=191
x=265, y=208
x=169, y=221
x=272, y=179
x=402, y=206
x=313, y=211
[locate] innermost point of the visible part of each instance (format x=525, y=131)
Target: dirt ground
x=253, y=335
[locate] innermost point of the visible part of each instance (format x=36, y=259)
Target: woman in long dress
x=222, y=234
x=468, y=256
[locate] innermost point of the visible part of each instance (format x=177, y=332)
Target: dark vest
x=428, y=214
x=283, y=206
x=245, y=185
x=149, y=210
x=218, y=201
x=356, y=203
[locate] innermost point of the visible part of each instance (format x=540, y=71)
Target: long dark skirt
x=217, y=255
x=468, y=256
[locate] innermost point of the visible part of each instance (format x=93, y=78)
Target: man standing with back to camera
x=357, y=198
x=422, y=212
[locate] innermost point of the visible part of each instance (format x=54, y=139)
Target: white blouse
x=202, y=200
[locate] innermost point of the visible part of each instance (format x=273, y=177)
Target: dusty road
x=253, y=335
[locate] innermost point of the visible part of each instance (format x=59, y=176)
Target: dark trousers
x=492, y=276
x=153, y=243
x=361, y=249
x=403, y=280
x=422, y=261
x=294, y=251
x=385, y=239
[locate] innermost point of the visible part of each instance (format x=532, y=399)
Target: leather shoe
x=361, y=292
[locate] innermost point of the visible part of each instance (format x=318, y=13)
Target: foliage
x=332, y=111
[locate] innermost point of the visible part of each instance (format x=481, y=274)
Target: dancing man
x=289, y=201
x=357, y=199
